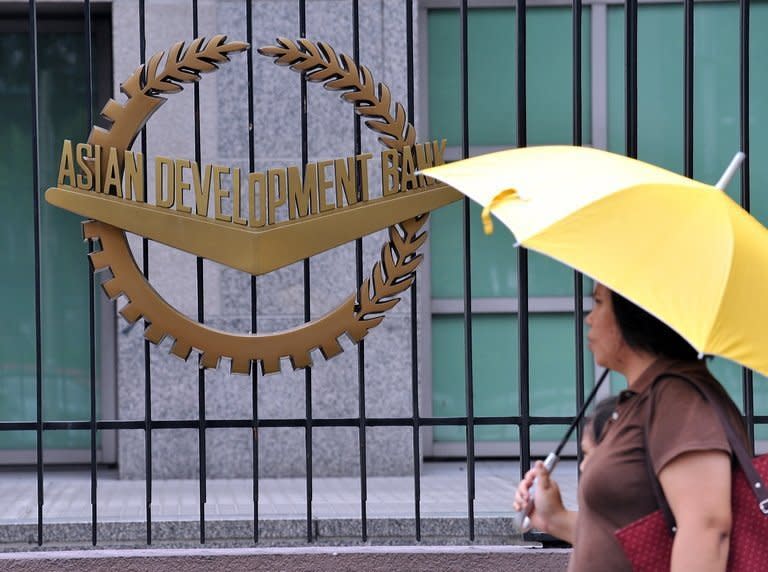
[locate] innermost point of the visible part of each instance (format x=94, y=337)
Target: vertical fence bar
x=359, y=281
x=145, y=270
x=522, y=253
x=36, y=229
x=688, y=37
x=254, y=391
x=578, y=281
x=200, y=307
x=91, y=294
x=254, y=306
x=468, y=378
x=577, y=9
x=307, y=284
x=630, y=14
x=415, y=411
x=746, y=374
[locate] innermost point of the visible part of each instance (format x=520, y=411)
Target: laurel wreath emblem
x=320, y=64
x=390, y=276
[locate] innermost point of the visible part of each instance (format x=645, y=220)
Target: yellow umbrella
x=680, y=249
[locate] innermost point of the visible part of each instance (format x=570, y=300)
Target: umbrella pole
x=522, y=520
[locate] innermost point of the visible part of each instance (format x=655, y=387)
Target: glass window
x=63, y=106
x=716, y=110
x=492, y=122
x=495, y=371
x=492, y=99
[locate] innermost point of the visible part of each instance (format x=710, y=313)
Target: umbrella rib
x=725, y=279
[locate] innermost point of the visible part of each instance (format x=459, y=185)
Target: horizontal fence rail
x=416, y=422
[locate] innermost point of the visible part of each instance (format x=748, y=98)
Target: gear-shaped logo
x=357, y=314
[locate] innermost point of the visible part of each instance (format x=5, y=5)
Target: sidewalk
x=336, y=507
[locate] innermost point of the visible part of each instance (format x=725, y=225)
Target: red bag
x=647, y=542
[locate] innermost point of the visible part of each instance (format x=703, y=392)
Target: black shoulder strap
x=737, y=447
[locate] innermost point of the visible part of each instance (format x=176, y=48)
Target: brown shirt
x=615, y=488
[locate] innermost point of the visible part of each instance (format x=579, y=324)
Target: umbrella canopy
x=682, y=250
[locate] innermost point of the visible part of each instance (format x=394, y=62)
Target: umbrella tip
x=730, y=171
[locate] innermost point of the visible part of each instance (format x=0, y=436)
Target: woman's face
x=605, y=339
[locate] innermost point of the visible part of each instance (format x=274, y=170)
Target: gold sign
x=222, y=214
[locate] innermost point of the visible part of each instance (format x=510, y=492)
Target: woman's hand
x=548, y=514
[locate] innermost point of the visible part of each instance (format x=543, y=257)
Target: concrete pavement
x=282, y=506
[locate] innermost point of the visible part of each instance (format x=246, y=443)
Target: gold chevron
x=253, y=250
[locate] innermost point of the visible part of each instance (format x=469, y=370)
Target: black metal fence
x=362, y=422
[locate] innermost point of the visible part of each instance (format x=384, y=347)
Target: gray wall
x=224, y=123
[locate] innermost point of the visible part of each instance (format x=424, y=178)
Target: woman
x=687, y=449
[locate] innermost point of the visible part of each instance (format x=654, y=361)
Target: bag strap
x=743, y=457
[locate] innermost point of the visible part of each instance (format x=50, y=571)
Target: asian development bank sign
x=239, y=219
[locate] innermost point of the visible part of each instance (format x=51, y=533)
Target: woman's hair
x=600, y=415
x=645, y=332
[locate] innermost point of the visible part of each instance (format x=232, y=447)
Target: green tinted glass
x=491, y=71
x=716, y=111
x=716, y=91
x=64, y=268
x=660, y=140
x=496, y=374
x=17, y=336
x=492, y=121
x=491, y=76
x=493, y=257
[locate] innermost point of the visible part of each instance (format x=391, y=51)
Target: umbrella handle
x=522, y=520
x=730, y=171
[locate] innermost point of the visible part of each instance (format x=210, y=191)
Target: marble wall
x=224, y=139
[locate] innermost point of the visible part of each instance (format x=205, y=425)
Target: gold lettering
x=97, y=167
x=363, y=166
x=83, y=152
x=424, y=160
x=219, y=193
x=438, y=149
x=180, y=185
x=389, y=174
x=323, y=184
x=302, y=197
x=113, y=178
x=255, y=220
x=202, y=190
x=346, y=181
x=407, y=173
x=66, y=166
x=134, y=176
x=276, y=179
x=164, y=195
x=236, y=218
